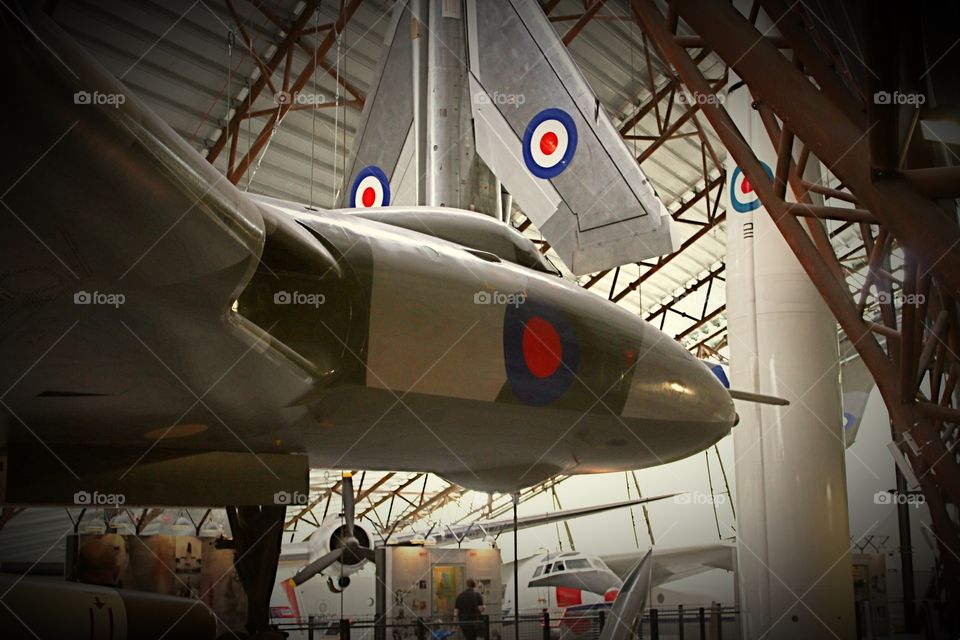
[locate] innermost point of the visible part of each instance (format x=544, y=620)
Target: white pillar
x=793, y=540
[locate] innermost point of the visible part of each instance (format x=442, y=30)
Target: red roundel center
x=549, y=143
x=542, y=350
x=368, y=197
x=745, y=186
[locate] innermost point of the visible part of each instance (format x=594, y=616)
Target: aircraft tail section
x=537, y=125
x=631, y=601
x=543, y=132
x=381, y=168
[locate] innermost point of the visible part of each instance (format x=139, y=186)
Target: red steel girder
x=933, y=455
x=664, y=91
x=917, y=222
x=835, y=294
x=675, y=126
x=433, y=503
x=266, y=133
x=409, y=481
x=937, y=467
x=587, y=16
x=818, y=65
x=704, y=342
x=668, y=258
x=699, y=323
x=284, y=47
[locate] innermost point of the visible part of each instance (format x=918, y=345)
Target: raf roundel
x=370, y=188
x=549, y=143
x=541, y=352
x=743, y=198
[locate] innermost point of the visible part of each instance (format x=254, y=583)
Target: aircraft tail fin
x=631, y=600
x=854, y=404
x=537, y=125
x=380, y=161
x=554, y=148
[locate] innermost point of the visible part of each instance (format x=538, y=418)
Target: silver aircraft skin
x=167, y=337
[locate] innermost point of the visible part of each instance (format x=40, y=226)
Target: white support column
x=793, y=540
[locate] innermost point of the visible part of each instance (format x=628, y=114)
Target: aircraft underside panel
x=542, y=130
x=117, y=476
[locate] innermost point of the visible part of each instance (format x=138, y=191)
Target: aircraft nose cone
x=675, y=387
x=704, y=396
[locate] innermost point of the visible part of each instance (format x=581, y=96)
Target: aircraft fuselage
x=491, y=374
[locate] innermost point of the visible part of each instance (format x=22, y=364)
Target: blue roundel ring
x=735, y=202
x=527, y=387
x=376, y=172
x=848, y=420
x=564, y=118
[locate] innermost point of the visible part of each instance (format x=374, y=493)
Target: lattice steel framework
x=903, y=318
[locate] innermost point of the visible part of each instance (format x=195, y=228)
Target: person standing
x=468, y=609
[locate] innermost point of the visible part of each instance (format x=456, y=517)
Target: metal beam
x=669, y=258
x=934, y=182
x=660, y=94
x=393, y=493
x=815, y=62
x=918, y=223
x=431, y=504
x=284, y=47
x=266, y=133
x=933, y=454
x=696, y=42
x=702, y=321
x=711, y=275
x=837, y=297
x=582, y=21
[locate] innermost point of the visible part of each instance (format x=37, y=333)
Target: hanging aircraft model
x=168, y=339
x=341, y=546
